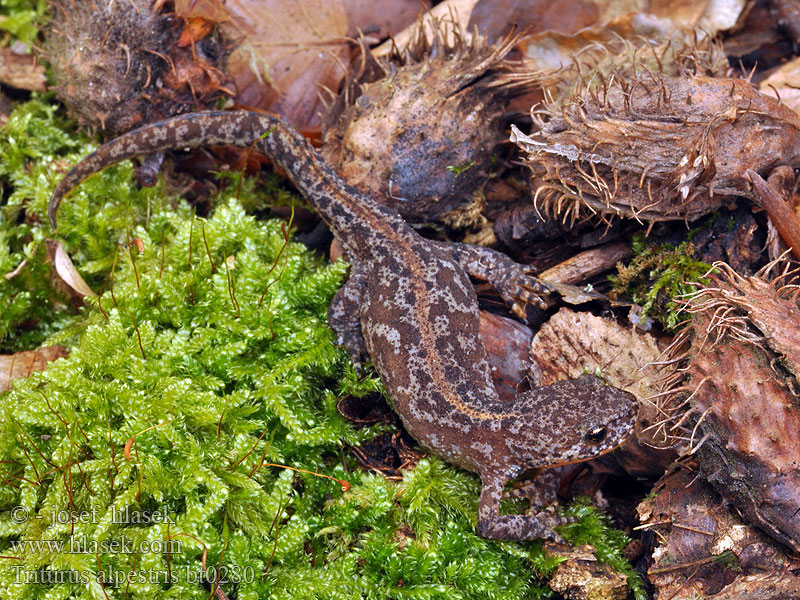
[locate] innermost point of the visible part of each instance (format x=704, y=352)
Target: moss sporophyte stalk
x=180, y=395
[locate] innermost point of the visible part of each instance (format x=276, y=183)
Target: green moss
x=210, y=384
x=181, y=384
x=21, y=19
x=658, y=276
x=36, y=149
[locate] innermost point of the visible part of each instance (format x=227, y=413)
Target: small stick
x=779, y=210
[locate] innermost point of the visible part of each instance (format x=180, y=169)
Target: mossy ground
x=658, y=277
x=206, y=359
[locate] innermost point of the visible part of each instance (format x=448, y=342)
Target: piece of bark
x=773, y=586
x=777, y=206
x=21, y=364
x=587, y=264
x=701, y=548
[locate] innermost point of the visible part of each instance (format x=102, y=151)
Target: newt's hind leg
x=513, y=281
x=344, y=319
x=493, y=525
x=540, y=492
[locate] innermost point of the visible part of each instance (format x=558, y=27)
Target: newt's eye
x=596, y=434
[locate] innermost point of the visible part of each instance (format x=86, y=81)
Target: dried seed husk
x=418, y=128
x=628, y=55
x=117, y=66
x=730, y=394
x=655, y=147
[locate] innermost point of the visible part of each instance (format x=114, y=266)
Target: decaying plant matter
x=656, y=147
x=730, y=394
x=118, y=64
x=701, y=550
x=418, y=128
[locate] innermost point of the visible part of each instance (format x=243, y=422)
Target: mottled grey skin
x=410, y=306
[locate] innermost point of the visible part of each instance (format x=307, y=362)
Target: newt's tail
x=210, y=128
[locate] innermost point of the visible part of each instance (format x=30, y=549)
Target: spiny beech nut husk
x=730, y=393
x=656, y=148
x=117, y=64
x=419, y=127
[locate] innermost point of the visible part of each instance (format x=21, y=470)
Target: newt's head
x=583, y=418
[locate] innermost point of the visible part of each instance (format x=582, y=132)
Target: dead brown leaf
x=68, y=273
x=703, y=549
x=383, y=17
x=710, y=16
x=208, y=10
x=22, y=364
x=497, y=17
x=655, y=20
x=784, y=84
x=287, y=51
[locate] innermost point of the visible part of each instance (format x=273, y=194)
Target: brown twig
x=780, y=212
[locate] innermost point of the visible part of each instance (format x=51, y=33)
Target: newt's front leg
x=513, y=281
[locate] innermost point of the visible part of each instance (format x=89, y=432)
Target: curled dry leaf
x=507, y=343
x=729, y=394
x=68, y=273
x=702, y=549
x=427, y=25
x=571, y=343
x=656, y=147
x=22, y=364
